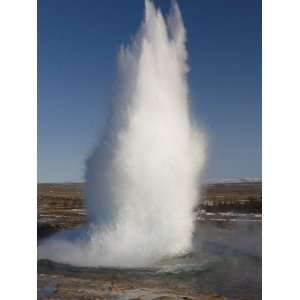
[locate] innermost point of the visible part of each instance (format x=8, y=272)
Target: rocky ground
x=58, y=286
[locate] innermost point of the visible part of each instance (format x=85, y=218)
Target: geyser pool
x=142, y=179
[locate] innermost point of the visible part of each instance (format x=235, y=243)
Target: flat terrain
x=61, y=205
x=227, y=253
x=110, y=287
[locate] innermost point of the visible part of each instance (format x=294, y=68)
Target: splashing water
x=142, y=179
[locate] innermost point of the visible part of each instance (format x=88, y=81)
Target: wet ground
x=225, y=262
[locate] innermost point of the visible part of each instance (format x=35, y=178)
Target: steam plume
x=142, y=179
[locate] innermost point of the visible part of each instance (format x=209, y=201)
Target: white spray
x=142, y=180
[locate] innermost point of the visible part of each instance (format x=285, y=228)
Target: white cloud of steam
x=142, y=179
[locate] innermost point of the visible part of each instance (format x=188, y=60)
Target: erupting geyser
x=142, y=179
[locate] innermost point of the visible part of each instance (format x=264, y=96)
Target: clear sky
x=78, y=42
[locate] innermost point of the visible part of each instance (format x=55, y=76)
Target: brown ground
x=61, y=205
x=238, y=197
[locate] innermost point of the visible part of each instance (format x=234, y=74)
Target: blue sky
x=78, y=41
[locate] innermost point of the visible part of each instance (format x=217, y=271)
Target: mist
x=143, y=177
